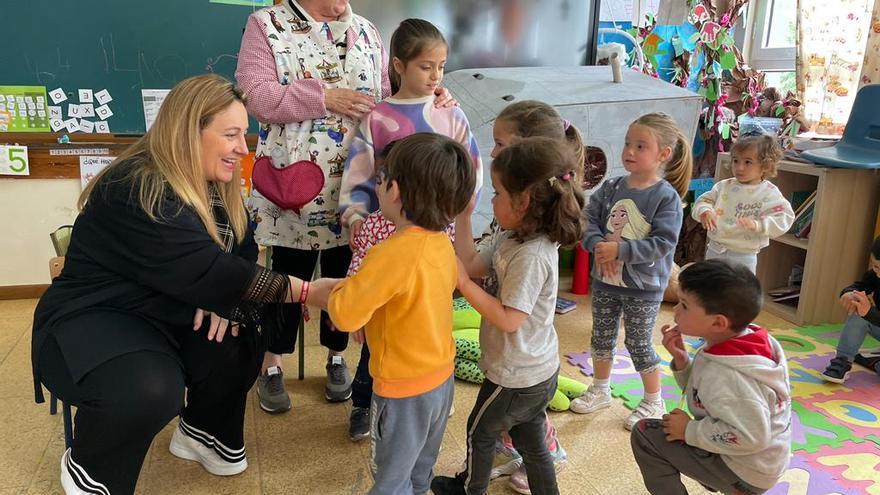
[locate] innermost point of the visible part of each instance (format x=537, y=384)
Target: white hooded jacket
x=739, y=394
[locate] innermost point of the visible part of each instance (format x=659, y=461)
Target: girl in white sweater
x=743, y=213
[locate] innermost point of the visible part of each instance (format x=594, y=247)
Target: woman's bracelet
x=304, y=292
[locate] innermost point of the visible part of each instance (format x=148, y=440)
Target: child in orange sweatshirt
x=403, y=296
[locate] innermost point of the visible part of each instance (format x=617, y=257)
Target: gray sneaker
x=270, y=390
x=359, y=426
x=338, y=388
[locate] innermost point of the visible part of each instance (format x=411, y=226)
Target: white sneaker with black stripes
x=76, y=481
x=195, y=445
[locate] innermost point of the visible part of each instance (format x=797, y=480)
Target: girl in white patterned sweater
x=743, y=213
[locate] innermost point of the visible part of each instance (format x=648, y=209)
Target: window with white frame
x=771, y=34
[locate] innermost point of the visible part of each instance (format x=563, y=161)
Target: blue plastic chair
x=860, y=145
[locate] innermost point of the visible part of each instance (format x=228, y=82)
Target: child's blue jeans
x=853, y=335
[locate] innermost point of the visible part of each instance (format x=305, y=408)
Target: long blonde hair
x=169, y=156
x=680, y=165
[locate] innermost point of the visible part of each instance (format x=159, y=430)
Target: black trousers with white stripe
x=123, y=403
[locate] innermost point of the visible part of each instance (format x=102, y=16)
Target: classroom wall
x=31, y=210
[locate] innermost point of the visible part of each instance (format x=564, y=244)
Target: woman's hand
x=847, y=300
x=348, y=102
x=444, y=99
x=217, y=327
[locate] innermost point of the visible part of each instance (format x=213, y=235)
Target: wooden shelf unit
x=836, y=250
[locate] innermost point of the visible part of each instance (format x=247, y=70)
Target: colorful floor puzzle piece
x=803, y=479
x=807, y=382
x=829, y=334
x=859, y=377
x=855, y=466
x=812, y=430
x=855, y=410
x=632, y=390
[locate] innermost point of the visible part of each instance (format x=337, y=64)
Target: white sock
x=653, y=398
x=603, y=386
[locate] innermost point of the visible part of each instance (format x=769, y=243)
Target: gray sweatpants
x=663, y=462
x=405, y=439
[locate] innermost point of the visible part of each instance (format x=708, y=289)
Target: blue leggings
x=639, y=317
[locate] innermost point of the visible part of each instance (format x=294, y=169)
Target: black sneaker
x=359, y=426
x=870, y=360
x=838, y=370
x=338, y=388
x=270, y=390
x=448, y=485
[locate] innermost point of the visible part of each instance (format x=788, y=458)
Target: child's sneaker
x=837, y=370
x=592, y=400
x=448, y=485
x=519, y=481
x=507, y=461
x=644, y=410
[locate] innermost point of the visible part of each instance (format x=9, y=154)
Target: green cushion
x=467, y=334
x=467, y=349
x=467, y=370
x=571, y=388
x=465, y=318
x=559, y=402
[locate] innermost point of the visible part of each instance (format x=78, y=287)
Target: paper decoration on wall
x=90, y=105
x=90, y=166
x=14, y=160
x=23, y=109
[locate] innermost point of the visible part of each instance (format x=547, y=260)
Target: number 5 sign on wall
x=14, y=160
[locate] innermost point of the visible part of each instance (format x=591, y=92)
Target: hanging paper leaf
x=716, y=69
x=780, y=110
x=711, y=91
x=724, y=127
x=728, y=60
x=709, y=32
x=694, y=37
x=677, y=46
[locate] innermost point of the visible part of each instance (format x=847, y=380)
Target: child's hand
x=354, y=230
x=861, y=303
x=847, y=300
x=469, y=209
x=709, y=220
x=608, y=269
x=606, y=251
x=674, y=343
x=747, y=223
x=319, y=291
x=675, y=424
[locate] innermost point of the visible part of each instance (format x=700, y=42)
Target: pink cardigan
x=269, y=100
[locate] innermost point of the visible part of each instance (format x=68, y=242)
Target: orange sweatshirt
x=403, y=294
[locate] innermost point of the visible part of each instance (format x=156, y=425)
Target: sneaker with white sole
x=76, y=481
x=338, y=388
x=519, y=481
x=592, y=400
x=644, y=410
x=271, y=392
x=507, y=461
x=195, y=445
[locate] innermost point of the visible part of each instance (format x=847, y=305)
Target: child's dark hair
x=409, y=40
x=875, y=249
x=435, y=176
x=530, y=118
x=544, y=169
x=724, y=288
x=680, y=165
x=767, y=149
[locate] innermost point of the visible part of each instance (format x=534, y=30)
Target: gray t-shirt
x=525, y=277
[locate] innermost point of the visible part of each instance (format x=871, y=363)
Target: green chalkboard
x=122, y=46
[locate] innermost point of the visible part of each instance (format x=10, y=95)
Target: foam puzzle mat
x=835, y=428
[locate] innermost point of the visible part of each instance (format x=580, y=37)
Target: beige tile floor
x=306, y=451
